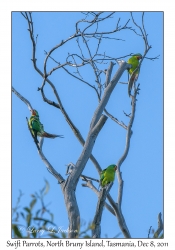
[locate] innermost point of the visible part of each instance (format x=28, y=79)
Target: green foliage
x=16, y=231
x=35, y=222
x=161, y=236
x=155, y=234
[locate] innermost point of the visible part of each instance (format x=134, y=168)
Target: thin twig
x=86, y=178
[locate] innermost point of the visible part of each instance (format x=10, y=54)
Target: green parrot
x=37, y=128
x=108, y=175
x=134, y=61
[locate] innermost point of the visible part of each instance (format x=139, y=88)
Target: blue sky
x=142, y=170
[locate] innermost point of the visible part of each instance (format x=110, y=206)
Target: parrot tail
x=130, y=83
x=45, y=134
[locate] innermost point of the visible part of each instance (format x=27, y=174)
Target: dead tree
x=87, y=30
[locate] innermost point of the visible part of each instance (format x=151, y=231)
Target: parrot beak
x=115, y=168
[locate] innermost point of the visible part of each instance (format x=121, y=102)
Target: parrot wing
x=36, y=125
x=102, y=176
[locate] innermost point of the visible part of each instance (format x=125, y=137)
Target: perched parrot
x=134, y=61
x=107, y=175
x=37, y=128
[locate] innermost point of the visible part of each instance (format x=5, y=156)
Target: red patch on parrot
x=33, y=112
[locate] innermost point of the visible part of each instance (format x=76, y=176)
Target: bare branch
x=93, y=21
x=123, y=82
x=114, y=209
x=96, y=232
x=129, y=132
x=137, y=26
x=24, y=15
x=92, y=63
x=31, y=32
x=152, y=58
x=107, y=93
x=128, y=115
x=81, y=80
x=51, y=169
x=70, y=168
x=144, y=36
x=88, y=147
x=147, y=48
x=123, y=157
x=70, y=185
x=55, y=68
x=86, y=178
x=143, y=27
x=115, y=119
x=108, y=73
x=23, y=99
x=91, y=186
x=120, y=217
